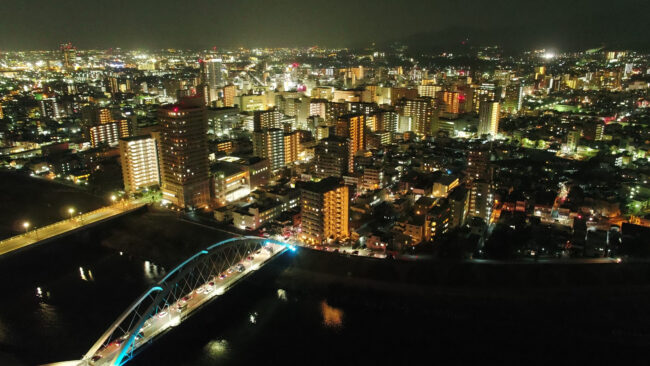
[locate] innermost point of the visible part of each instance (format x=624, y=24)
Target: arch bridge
x=185, y=289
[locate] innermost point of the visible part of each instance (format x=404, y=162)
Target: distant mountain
x=562, y=37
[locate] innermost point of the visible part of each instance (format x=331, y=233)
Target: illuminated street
x=77, y=222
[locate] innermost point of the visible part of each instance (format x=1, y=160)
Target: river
x=313, y=308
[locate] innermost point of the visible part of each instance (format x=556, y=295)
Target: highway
x=173, y=314
x=76, y=222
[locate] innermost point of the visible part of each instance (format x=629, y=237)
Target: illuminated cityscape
x=478, y=191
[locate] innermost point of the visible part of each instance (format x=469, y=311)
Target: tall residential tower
x=184, y=145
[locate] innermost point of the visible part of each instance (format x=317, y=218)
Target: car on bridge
x=187, y=298
x=240, y=267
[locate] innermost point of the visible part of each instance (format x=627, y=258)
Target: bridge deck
x=175, y=313
x=62, y=227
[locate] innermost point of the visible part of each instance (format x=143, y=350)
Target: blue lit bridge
x=195, y=282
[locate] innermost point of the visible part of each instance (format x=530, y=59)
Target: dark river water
x=314, y=309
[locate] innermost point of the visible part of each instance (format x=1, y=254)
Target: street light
x=26, y=226
x=113, y=198
x=71, y=212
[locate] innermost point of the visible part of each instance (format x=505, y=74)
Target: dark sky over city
x=43, y=24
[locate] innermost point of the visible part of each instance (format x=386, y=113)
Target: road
x=76, y=222
x=173, y=314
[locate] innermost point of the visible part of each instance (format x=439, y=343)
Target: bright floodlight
x=113, y=198
x=548, y=55
x=26, y=224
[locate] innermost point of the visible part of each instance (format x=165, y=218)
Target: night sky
x=43, y=24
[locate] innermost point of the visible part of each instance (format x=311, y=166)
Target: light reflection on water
x=153, y=271
x=216, y=349
x=332, y=317
x=49, y=315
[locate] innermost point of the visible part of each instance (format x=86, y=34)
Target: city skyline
x=435, y=182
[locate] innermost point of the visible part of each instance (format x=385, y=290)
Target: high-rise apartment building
x=139, y=158
x=353, y=126
x=514, y=98
x=430, y=90
x=229, y=93
x=436, y=221
x=324, y=210
x=421, y=112
x=449, y=100
x=331, y=157
x=266, y=119
x=481, y=199
x=50, y=108
x=184, y=145
x=211, y=75
x=388, y=121
x=488, y=120
x=334, y=110
x=291, y=147
x=68, y=52
x=399, y=93
x=269, y=144
x=105, y=134
x=594, y=130
x=572, y=141
x=479, y=174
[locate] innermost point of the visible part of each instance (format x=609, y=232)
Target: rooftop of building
x=226, y=168
x=136, y=138
x=322, y=186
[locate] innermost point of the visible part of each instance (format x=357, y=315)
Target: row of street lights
x=71, y=212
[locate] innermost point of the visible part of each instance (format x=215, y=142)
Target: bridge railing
x=34, y=232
